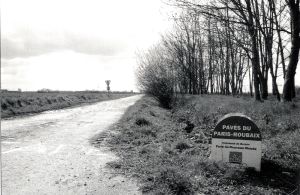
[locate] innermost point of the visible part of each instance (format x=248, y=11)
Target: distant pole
x=107, y=86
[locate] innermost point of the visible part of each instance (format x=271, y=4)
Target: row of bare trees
x=224, y=45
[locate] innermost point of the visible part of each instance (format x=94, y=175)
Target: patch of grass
x=20, y=103
x=172, y=181
x=155, y=147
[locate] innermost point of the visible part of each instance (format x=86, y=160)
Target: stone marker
x=237, y=139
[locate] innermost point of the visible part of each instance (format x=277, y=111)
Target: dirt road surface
x=50, y=153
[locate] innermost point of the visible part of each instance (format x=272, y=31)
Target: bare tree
x=289, y=82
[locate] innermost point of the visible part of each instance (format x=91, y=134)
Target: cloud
x=34, y=27
x=66, y=44
x=25, y=44
x=94, y=46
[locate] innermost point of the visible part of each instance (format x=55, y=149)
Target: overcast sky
x=76, y=44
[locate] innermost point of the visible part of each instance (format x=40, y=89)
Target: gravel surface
x=50, y=153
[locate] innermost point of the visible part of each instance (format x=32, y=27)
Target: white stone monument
x=237, y=139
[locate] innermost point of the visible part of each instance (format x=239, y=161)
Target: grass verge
x=21, y=103
x=168, y=150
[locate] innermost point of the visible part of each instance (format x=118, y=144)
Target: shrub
x=155, y=78
x=49, y=101
x=162, y=91
x=142, y=122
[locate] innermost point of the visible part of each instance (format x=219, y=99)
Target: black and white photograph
x=162, y=97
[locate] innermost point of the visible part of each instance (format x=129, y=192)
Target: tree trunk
x=255, y=52
x=289, y=83
x=264, y=88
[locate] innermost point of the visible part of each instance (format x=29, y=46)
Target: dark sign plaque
x=236, y=126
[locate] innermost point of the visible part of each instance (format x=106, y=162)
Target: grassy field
x=20, y=103
x=158, y=147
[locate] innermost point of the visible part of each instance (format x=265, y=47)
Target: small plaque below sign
x=235, y=157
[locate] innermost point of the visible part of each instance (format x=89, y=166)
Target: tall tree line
x=215, y=46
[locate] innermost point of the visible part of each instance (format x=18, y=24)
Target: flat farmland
x=21, y=103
